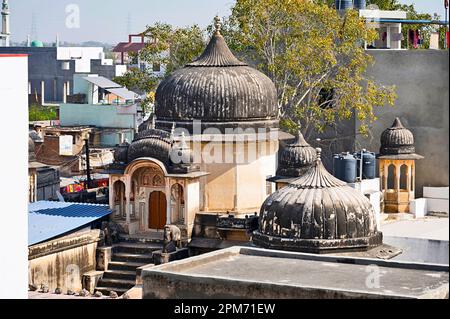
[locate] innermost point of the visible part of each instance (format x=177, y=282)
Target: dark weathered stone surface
x=397, y=140
x=121, y=153
x=217, y=88
x=296, y=158
x=317, y=212
x=151, y=143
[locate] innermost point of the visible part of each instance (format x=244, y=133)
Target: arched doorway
x=157, y=213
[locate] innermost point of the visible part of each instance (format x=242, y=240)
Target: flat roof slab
x=241, y=272
x=426, y=228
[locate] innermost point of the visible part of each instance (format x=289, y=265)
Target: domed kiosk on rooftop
x=397, y=168
x=317, y=213
x=294, y=160
x=397, y=140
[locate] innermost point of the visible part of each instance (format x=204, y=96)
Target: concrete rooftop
x=259, y=273
x=426, y=228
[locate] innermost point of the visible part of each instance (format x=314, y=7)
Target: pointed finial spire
x=172, y=132
x=319, y=155
x=217, y=24
x=397, y=123
x=183, y=143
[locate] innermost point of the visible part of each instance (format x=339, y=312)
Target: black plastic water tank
x=359, y=4
x=368, y=164
x=336, y=165
x=346, y=168
x=343, y=4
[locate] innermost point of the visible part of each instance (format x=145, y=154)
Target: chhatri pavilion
x=199, y=152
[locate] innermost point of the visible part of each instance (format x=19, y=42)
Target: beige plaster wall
x=239, y=186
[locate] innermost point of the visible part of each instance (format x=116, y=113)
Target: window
x=391, y=177
x=404, y=177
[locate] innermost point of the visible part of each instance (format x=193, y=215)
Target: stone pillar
x=397, y=178
x=168, y=206
x=42, y=92
x=127, y=199
x=104, y=255
x=111, y=193
x=65, y=92
x=408, y=179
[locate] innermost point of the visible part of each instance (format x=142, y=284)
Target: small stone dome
x=397, y=140
x=181, y=157
x=296, y=158
x=218, y=90
x=317, y=213
x=148, y=124
x=151, y=143
x=121, y=152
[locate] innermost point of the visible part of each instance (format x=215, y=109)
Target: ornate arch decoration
x=149, y=172
x=147, y=162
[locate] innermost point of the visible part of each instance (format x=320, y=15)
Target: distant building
x=51, y=69
x=389, y=27
x=5, y=33
x=99, y=103
x=127, y=53
x=43, y=180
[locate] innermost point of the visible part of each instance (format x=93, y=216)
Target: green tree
x=314, y=56
x=170, y=47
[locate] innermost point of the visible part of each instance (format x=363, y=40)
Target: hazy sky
x=111, y=20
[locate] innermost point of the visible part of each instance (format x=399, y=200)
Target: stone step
x=119, y=274
x=145, y=239
x=136, y=248
x=124, y=265
x=116, y=283
x=106, y=290
x=137, y=258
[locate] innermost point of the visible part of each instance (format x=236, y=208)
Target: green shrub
x=41, y=113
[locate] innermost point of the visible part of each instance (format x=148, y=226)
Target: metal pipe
x=88, y=168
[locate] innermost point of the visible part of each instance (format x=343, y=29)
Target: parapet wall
x=61, y=263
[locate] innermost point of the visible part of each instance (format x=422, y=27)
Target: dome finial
x=397, y=123
x=172, y=132
x=319, y=154
x=217, y=24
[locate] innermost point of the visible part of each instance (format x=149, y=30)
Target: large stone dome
x=397, y=140
x=317, y=213
x=296, y=158
x=219, y=90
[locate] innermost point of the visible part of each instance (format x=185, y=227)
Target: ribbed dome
x=397, y=140
x=217, y=88
x=181, y=157
x=151, y=143
x=317, y=212
x=296, y=158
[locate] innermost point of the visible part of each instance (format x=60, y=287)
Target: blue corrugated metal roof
x=47, y=220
